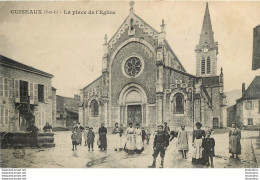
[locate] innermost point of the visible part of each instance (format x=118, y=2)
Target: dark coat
x=208, y=144
x=90, y=137
x=161, y=140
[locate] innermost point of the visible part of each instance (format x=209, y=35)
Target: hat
x=198, y=124
x=116, y=123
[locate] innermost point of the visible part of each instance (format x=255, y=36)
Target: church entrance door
x=215, y=122
x=134, y=114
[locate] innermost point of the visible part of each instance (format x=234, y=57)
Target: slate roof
x=253, y=90
x=14, y=64
x=210, y=81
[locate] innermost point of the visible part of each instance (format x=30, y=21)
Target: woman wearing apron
x=198, y=135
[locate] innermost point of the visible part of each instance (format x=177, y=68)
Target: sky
x=71, y=46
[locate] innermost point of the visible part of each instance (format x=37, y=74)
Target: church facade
x=144, y=82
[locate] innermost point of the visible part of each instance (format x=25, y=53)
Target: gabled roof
x=92, y=82
x=131, y=15
x=253, y=90
x=17, y=65
x=210, y=81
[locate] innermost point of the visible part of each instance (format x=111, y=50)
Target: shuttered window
x=6, y=87
x=203, y=66
x=2, y=116
x=1, y=86
x=31, y=93
x=6, y=116
x=17, y=90
x=40, y=93
x=208, y=65
x=35, y=92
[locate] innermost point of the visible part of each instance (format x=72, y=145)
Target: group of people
x=89, y=137
x=132, y=141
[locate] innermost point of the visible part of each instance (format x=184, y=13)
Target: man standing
x=161, y=142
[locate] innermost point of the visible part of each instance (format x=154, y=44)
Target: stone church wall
x=146, y=79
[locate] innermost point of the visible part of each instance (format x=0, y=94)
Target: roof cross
x=132, y=6
x=162, y=26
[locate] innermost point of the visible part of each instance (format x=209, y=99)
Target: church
x=144, y=82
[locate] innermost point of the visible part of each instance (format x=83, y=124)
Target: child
x=208, y=145
x=90, y=139
x=161, y=142
x=182, y=141
x=86, y=135
x=74, y=140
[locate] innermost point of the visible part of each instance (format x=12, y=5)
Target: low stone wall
x=12, y=139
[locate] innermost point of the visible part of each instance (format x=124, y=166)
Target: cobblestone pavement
x=62, y=155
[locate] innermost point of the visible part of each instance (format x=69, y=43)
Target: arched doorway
x=133, y=102
x=134, y=107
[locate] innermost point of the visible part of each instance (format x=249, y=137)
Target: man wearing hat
x=161, y=142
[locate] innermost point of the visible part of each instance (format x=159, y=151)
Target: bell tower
x=207, y=49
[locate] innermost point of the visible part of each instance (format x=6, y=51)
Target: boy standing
x=74, y=140
x=161, y=142
x=86, y=135
x=90, y=140
x=208, y=145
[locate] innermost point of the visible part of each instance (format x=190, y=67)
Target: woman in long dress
x=130, y=140
x=182, y=141
x=116, y=137
x=102, y=131
x=121, y=137
x=198, y=135
x=138, y=139
x=234, y=141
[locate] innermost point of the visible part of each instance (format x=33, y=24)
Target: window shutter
x=2, y=116
x=1, y=86
x=31, y=93
x=6, y=88
x=35, y=93
x=6, y=116
x=17, y=90
x=46, y=97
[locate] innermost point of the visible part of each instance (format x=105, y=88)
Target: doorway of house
x=134, y=114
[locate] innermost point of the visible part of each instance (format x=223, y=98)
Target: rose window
x=133, y=66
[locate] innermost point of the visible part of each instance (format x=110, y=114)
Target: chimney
x=243, y=89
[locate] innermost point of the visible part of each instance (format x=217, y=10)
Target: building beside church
x=21, y=85
x=246, y=112
x=67, y=114
x=144, y=82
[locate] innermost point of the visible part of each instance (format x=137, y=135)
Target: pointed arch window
x=203, y=65
x=208, y=65
x=94, y=108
